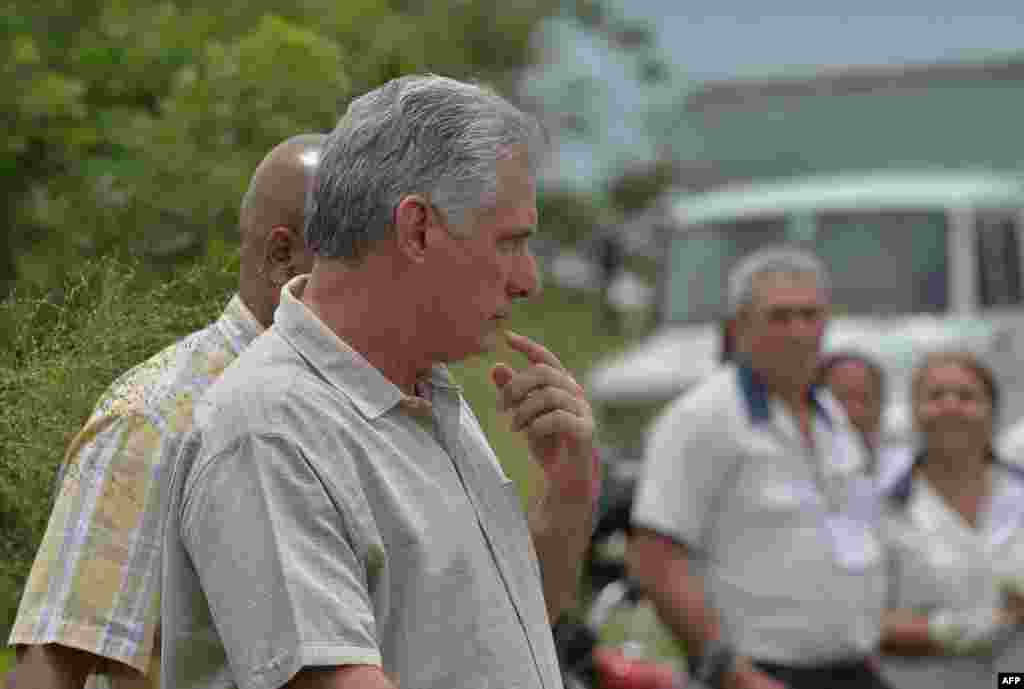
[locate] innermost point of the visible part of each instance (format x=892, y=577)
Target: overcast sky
x=721, y=39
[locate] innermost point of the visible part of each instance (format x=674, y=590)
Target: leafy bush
x=57, y=360
x=114, y=110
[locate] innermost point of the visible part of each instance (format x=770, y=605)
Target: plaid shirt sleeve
x=94, y=584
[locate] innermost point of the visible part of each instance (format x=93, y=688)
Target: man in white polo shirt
x=755, y=520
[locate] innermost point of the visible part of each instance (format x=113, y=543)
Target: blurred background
x=132, y=126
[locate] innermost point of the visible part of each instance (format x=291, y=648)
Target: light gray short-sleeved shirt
x=727, y=473
x=939, y=561
x=321, y=518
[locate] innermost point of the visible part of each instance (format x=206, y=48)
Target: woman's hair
x=965, y=360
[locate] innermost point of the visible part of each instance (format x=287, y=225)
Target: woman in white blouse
x=956, y=546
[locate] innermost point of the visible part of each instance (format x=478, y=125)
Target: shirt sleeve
x=278, y=568
x=687, y=459
x=94, y=582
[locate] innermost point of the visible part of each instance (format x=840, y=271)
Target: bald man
x=90, y=608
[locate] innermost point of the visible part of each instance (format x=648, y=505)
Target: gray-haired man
x=755, y=523
x=339, y=519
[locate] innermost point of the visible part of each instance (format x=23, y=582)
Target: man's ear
x=414, y=216
x=282, y=254
x=739, y=326
x=732, y=326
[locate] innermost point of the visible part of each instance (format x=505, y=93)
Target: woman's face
x=857, y=389
x=953, y=410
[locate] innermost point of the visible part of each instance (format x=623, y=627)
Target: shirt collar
x=337, y=363
x=903, y=486
x=238, y=325
x=757, y=396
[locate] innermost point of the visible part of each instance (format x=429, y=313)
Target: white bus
x=918, y=261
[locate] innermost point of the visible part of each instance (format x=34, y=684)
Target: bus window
x=998, y=249
x=880, y=263
x=887, y=262
x=700, y=261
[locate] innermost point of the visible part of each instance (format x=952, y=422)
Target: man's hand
x=616, y=671
x=53, y=666
x=550, y=407
x=745, y=676
x=1013, y=604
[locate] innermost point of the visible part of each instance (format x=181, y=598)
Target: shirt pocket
x=781, y=495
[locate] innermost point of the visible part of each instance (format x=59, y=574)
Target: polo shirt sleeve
x=277, y=564
x=687, y=459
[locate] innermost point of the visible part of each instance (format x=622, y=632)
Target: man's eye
x=513, y=244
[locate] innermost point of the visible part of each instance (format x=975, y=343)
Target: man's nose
x=524, y=282
x=805, y=326
x=949, y=400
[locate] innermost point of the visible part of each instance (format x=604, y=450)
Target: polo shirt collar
x=336, y=362
x=903, y=487
x=757, y=397
x=238, y=324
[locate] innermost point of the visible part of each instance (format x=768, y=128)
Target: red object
x=616, y=671
x=595, y=484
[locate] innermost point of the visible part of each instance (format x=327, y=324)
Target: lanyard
x=831, y=488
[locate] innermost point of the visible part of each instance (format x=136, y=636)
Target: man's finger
x=501, y=374
x=543, y=401
x=527, y=381
x=534, y=351
x=559, y=421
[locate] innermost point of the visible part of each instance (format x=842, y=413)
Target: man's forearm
x=662, y=567
x=51, y=666
x=681, y=604
x=561, y=532
x=663, y=570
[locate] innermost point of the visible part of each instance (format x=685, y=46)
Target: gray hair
x=773, y=259
x=422, y=134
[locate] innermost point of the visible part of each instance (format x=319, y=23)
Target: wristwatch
x=711, y=667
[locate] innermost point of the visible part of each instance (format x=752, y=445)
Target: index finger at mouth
x=534, y=351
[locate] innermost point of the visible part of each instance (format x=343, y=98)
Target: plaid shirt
x=95, y=582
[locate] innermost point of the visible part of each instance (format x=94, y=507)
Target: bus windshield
x=880, y=262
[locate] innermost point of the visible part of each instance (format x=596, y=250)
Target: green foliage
x=133, y=126
x=637, y=187
x=568, y=217
x=56, y=362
